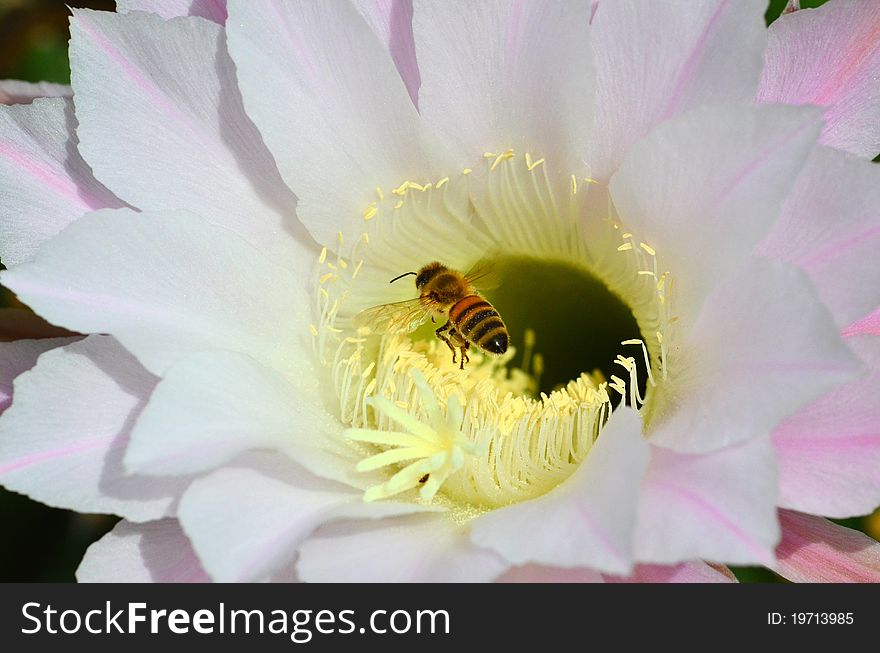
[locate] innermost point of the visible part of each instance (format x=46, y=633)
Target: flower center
x=586, y=306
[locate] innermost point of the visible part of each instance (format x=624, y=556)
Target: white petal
x=829, y=452
x=656, y=60
x=829, y=56
x=391, y=20
x=62, y=440
x=762, y=347
x=155, y=552
x=162, y=124
x=499, y=75
x=13, y=91
x=830, y=227
x=703, y=189
x=46, y=184
x=333, y=110
x=717, y=506
x=167, y=284
x=246, y=524
x=414, y=549
x=211, y=9
x=587, y=521
x=20, y=356
x=210, y=407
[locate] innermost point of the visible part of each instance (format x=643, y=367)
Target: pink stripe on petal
x=870, y=325
x=403, y=47
x=857, y=63
x=148, y=87
x=841, y=247
x=49, y=179
x=72, y=450
x=829, y=57
x=716, y=515
x=760, y=162
x=690, y=65
x=391, y=20
x=815, y=550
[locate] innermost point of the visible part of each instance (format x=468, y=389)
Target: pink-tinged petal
x=499, y=75
x=246, y=523
x=46, y=184
x=164, y=127
x=542, y=574
x=656, y=60
x=870, y=324
x=323, y=90
x=62, y=440
x=695, y=571
x=210, y=407
x=13, y=91
x=587, y=521
x=413, y=549
x=815, y=550
x=391, y=20
x=762, y=340
x=154, y=552
x=830, y=227
x=166, y=285
x=18, y=357
x=829, y=57
x=829, y=452
x=703, y=189
x=716, y=506
x=214, y=10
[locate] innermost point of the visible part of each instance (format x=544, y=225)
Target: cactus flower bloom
x=681, y=215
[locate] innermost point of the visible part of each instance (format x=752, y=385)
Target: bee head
x=427, y=273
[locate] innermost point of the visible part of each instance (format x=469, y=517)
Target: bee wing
x=400, y=316
x=484, y=274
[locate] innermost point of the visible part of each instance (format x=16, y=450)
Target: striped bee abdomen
x=478, y=322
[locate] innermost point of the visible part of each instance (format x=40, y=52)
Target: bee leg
x=464, y=357
x=445, y=338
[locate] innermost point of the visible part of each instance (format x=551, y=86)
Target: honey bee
x=444, y=294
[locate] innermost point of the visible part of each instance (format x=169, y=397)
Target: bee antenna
x=405, y=274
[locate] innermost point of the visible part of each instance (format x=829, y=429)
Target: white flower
x=268, y=177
